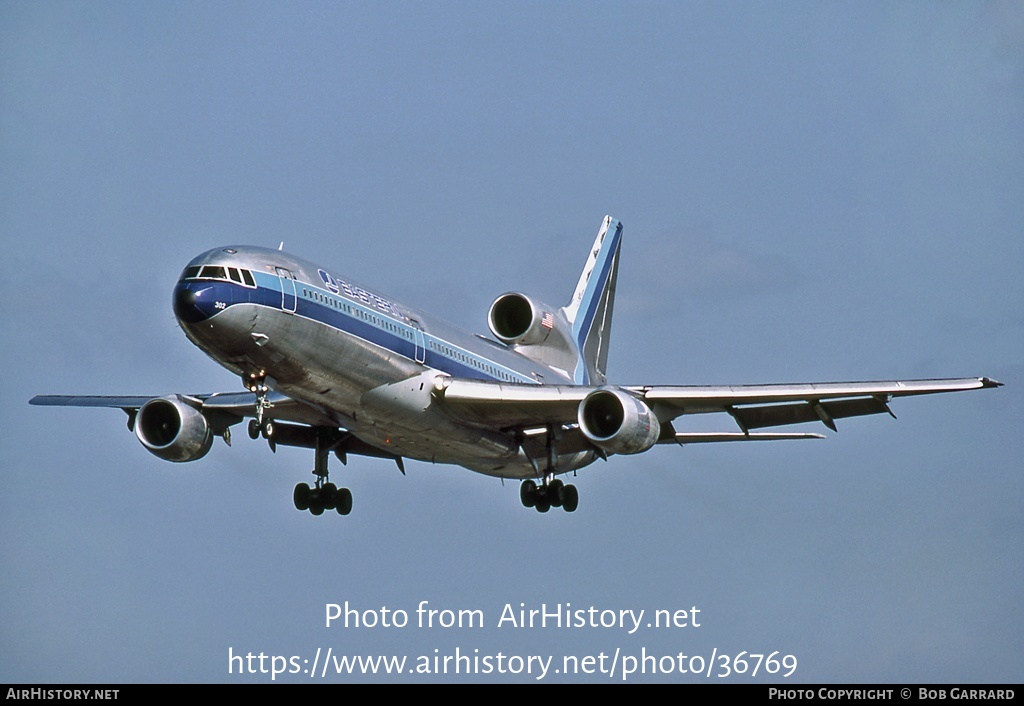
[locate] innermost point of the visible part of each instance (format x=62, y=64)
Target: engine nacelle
x=616, y=422
x=173, y=430
x=515, y=319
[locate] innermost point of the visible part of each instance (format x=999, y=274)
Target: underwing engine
x=174, y=431
x=616, y=422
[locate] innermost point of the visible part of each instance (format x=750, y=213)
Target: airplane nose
x=188, y=304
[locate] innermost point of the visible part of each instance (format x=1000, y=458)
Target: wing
x=759, y=406
x=750, y=406
x=224, y=409
x=227, y=407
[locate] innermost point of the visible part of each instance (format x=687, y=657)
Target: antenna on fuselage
x=281, y=246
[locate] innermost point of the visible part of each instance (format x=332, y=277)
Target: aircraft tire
x=315, y=504
x=268, y=429
x=571, y=499
x=254, y=429
x=301, y=497
x=543, y=504
x=329, y=496
x=344, y=502
x=528, y=493
x=556, y=493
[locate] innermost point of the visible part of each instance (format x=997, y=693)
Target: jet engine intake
x=173, y=430
x=616, y=422
x=516, y=319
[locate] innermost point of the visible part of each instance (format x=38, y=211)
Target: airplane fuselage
x=364, y=361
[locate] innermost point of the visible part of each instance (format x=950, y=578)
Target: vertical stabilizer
x=590, y=309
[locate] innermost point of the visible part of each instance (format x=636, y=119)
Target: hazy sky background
x=810, y=191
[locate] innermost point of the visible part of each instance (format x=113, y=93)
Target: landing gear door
x=288, y=302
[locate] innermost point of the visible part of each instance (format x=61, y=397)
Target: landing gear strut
x=324, y=495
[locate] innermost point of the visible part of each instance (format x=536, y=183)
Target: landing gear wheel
x=316, y=508
x=344, y=502
x=301, y=497
x=556, y=493
x=570, y=498
x=254, y=429
x=528, y=493
x=329, y=495
x=268, y=429
x=543, y=504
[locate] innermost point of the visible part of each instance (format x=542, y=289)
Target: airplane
x=334, y=366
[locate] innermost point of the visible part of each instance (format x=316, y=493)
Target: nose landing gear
x=257, y=384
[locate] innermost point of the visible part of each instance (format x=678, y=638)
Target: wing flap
x=825, y=412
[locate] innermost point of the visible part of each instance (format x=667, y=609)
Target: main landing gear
x=552, y=493
x=323, y=496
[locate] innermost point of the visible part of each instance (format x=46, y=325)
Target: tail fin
x=590, y=309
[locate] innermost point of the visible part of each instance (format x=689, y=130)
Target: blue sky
x=810, y=192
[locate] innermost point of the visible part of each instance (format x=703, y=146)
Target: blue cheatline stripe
x=268, y=293
x=592, y=297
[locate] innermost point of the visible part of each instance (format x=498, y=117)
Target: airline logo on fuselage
x=338, y=286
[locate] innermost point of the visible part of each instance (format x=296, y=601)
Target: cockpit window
x=213, y=272
x=234, y=274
